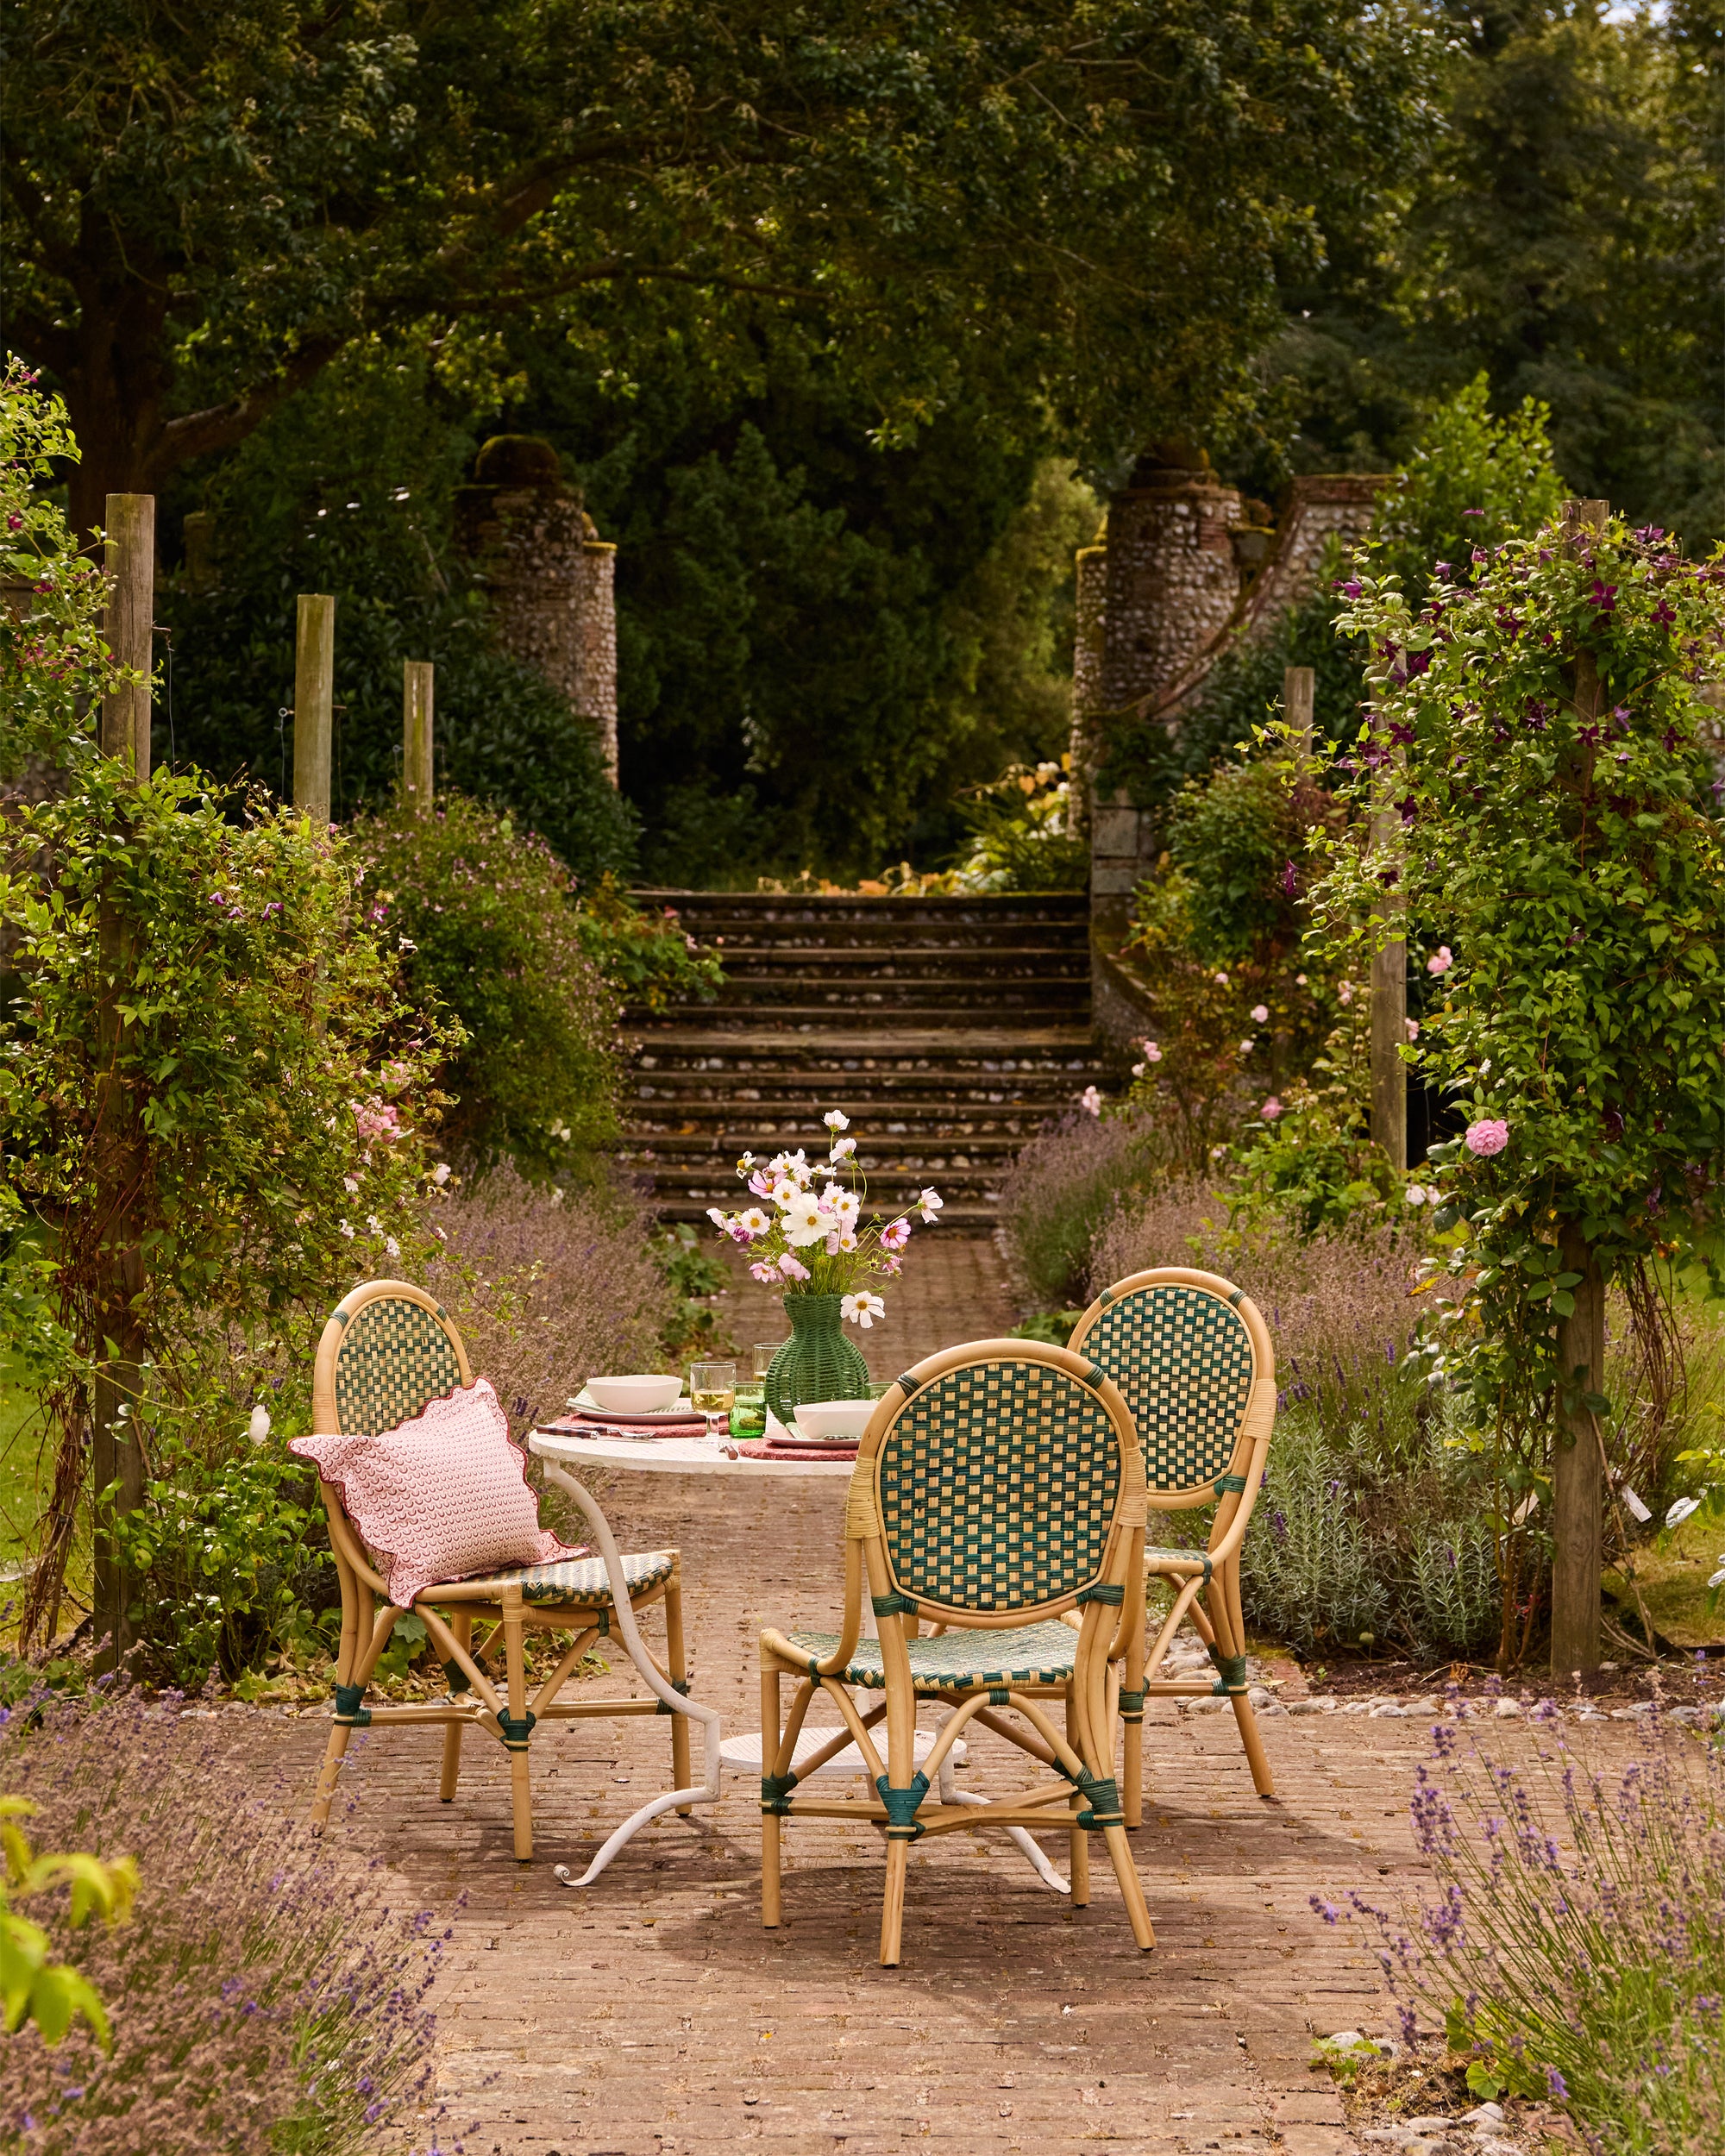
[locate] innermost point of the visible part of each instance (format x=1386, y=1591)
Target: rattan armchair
x=388, y=1349
x=997, y=1492
x=1192, y=1355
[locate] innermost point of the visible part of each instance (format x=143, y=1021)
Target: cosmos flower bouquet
x=806, y=1232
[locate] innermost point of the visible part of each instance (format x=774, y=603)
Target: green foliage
x=484, y=918
x=1548, y=228
x=1021, y=833
x=695, y=1276
x=1559, y=828
x=221, y=1555
x=350, y=491
x=231, y=196
x=648, y=957
x=52, y=661
x=50, y=1995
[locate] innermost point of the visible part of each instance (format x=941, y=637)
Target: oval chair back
x=387, y=1351
x=1192, y=1355
x=997, y=1477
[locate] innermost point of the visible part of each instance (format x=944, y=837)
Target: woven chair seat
x=960, y=1657
x=1176, y=1560
x=577, y=1581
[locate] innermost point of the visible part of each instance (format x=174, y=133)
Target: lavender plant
x=1573, y=1945
x=265, y=1992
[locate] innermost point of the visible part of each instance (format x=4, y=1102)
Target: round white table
x=742, y=1754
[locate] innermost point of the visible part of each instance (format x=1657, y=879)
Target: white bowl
x=834, y=1418
x=636, y=1395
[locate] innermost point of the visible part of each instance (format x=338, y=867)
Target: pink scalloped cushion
x=444, y=1496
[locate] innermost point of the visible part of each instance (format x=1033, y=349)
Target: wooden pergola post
x=1389, y=992
x=314, y=697
x=1299, y=690
x=116, y=1460
x=1578, y=1467
x=417, y=690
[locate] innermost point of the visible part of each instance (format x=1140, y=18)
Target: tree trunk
x=1577, y=1480
x=116, y=1460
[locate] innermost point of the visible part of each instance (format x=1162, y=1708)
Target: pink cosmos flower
x=895, y=1235
x=761, y=1183
x=1271, y=1109
x=1488, y=1137
x=766, y=1274
x=793, y=1268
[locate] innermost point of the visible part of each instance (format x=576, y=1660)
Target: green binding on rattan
x=515, y=1734
x=1104, y=1794
x=1097, y=1373
x=1224, y=1483
x=679, y=1685
x=1231, y=1670
x=894, y=1605
x=1132, y=1705
x=1113, y=1595
x=459, y=1681
x=775, y=1792
x=999, y=1696
x=907, y=1385
x=902, y=1823
x=347, y=1706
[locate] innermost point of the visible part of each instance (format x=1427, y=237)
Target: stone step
x=927, y=1030
x=799, y=1001
x=699, y=909
x=883, y=1156
x=964, y=1217
x=899, y=962
x=970, y=1052
x=737, y=1116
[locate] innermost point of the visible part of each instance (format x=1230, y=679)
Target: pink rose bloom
x=1260, y=1014
x=1271, y=1109
x=1412, y=1026
x=1488, y=1138
x=1441, y=962
x=1152, y=1054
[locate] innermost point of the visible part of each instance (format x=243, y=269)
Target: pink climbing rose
x=1488, y=1138
x=1440, y=961
x=1271, y=1109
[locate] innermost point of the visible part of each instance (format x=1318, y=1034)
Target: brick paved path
x=650, y=2015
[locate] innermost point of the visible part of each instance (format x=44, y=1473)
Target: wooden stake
x=314, y=696
x=1578, y=1476
x=116, y=1460
x=417, y=765
x=1299, y=685
x=1389, y=995
x=1577, y=1483
x=129, y=560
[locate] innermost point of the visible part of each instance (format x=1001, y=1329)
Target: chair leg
x=769, y=1821
x=893, y=1905
x=461, y=1624
x=676, y=1661
x=1132, y=1887
x=520, y=1787
x=1261, y=1779
x=1132, y=1783
x=324, y=1794
x=1078, y=1837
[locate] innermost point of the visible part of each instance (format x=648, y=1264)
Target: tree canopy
x=1078, y=206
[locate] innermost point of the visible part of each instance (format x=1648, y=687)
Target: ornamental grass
x=1573, y=1945
x=268, y=1991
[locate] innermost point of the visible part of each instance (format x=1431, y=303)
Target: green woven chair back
x=1183, y=1358
x=395, y=1356
x=998, y=1484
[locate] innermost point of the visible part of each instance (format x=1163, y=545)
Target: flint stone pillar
x=549, y=576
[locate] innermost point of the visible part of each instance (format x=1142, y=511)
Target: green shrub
x=483, y=915
x=650, y=958
x=1022, y=837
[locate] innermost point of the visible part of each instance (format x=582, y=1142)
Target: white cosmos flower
x=803, y=1223
x=928, y=1204
x=836, y=1119
x=784, y=1192
x=862, y=1309
x=845, y=1206
x=754, y=1220
x=847, y=1239
x=716, y=1214
x=843, y=1148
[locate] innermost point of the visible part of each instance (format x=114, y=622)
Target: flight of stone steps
x=949, y=1029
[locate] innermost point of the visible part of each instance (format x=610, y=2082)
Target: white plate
x=795, y=1434
x=683, y=1412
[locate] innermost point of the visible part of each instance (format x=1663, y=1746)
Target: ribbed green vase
x=817, y=1362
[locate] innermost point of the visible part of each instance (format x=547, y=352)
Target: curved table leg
x=636, y=1648
x=951, y=1794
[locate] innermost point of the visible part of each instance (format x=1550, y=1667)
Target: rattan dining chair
x=998, y=1489
x=1192, y=1355
x=386, y=1352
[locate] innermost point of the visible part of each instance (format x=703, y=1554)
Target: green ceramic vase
x=817, y=1362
